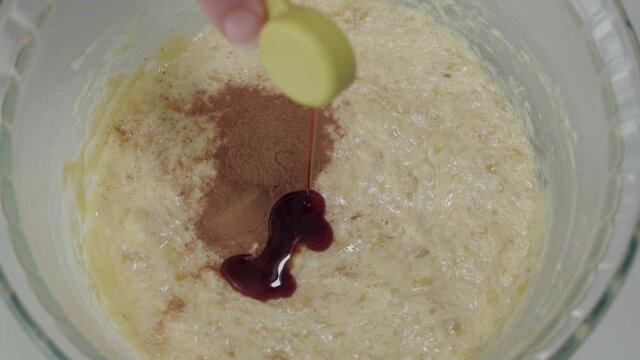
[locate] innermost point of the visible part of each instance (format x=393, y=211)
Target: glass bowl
x=574, y=64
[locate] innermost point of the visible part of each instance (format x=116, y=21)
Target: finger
x=238, y=20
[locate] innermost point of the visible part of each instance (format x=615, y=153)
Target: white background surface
x=617, y=337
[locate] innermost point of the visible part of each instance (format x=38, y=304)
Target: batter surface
x=432, y=194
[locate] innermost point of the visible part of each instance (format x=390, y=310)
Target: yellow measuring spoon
x=306, y=54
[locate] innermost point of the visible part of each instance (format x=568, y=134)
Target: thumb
x=238, y=20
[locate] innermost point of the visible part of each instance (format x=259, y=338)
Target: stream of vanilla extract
x=296, y=218
x=311, y=143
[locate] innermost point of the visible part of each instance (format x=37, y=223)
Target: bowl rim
x=585, y=328
x=568, y=346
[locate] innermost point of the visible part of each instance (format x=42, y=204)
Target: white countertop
x=617, y=337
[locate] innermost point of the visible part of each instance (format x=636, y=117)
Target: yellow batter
x=432, y=194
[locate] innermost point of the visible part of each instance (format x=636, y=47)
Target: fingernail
x=256, y=7
x=241, y=26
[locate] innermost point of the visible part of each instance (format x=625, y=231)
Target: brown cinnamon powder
x=262, y=155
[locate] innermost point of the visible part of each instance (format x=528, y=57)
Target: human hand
x=239, y=21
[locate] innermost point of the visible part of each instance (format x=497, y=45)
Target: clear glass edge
x=26, y=322
x=569, y=346
x=29, y=325
x=588, y=324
